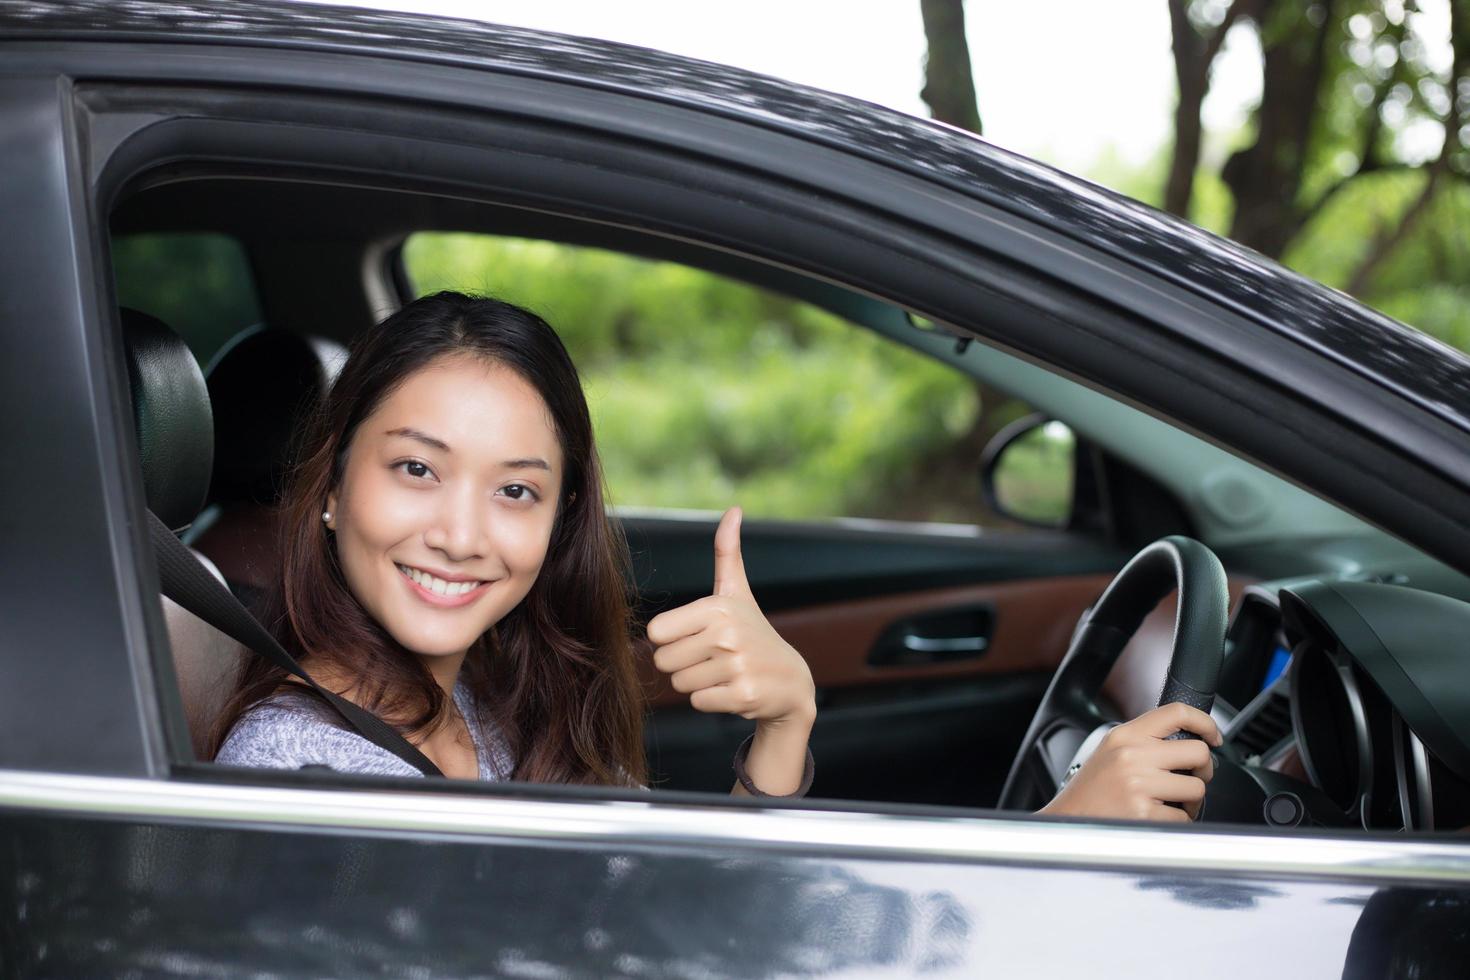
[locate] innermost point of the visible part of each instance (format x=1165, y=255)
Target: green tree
x=1332, y=176
x=1334, y=179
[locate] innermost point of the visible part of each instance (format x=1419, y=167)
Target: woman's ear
x=329, y=515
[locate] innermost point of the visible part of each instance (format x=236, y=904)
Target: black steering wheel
x=1069, y=711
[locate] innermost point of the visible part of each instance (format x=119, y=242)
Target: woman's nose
x=460, y=525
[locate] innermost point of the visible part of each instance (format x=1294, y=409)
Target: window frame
x=979, y=265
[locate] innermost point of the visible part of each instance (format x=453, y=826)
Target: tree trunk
x=1192, y=73
x=1179, y=188
x=1266, y=177
x=1194, y=53
x=949, y=86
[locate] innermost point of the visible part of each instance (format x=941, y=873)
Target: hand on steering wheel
x=1128, y=771
x=1137, y=770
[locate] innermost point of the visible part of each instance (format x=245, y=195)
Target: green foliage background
x=706, y=392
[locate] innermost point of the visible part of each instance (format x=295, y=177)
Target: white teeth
x=438, y=585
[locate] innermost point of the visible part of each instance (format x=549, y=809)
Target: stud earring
x=326, y=517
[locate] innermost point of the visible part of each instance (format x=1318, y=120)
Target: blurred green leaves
x=706, y=392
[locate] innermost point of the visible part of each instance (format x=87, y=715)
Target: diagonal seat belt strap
x=189, y=583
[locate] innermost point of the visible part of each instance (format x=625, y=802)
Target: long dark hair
x=556, y=674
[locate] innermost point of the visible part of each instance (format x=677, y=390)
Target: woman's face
x=447, y=502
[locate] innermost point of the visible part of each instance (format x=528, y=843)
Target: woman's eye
x=517, y=491
x=415, y=469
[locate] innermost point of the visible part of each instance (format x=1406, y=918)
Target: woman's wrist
x=795, y=724
x=784, y=772
x=775, y=760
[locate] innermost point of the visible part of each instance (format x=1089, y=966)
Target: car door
x=124, y=856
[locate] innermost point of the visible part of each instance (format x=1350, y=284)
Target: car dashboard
x=1345, y=701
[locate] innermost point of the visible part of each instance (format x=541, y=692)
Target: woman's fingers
x=771, y=680
x=1187, y=791
x=686, y=620
x=706, y=673
x=1170, y=787
x=685, y=652
x=730, y=699
x=1167, y=719
x=1186, y=754
x=1171, y=814
x=1205, y=771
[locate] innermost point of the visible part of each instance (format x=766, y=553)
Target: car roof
x=1408, y=362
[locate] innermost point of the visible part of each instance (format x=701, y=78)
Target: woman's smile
x=442, y=591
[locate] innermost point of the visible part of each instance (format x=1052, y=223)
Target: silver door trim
x=818, y=833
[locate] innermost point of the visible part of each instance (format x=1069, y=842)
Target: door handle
x=937, y=636
x=944, y=644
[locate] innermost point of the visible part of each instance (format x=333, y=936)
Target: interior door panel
x=793, y=564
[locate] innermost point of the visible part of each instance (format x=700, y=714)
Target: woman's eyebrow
x=422, y=437
x=533, y=462
x=524, y=463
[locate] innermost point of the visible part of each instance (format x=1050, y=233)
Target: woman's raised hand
x=1137, y=769
x=721, y=651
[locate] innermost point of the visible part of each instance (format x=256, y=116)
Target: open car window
x=706, y=391
x=857, y=398
x=858, y=437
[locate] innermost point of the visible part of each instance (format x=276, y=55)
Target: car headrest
x=261, y=385
x=171, y=417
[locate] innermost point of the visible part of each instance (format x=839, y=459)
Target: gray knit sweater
x=289, y=731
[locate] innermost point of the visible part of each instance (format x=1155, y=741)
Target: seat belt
x=190, y=584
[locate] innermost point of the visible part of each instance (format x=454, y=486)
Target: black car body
x=124, y=855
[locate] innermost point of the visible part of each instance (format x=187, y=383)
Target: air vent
x=1267, y=725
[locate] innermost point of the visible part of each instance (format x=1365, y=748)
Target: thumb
x=729, y=565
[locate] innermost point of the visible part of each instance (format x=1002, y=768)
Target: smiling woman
x=449, y=565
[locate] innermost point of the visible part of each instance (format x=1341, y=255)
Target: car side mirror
x=1029, y=472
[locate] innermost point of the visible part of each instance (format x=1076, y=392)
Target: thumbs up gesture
x=721, y=651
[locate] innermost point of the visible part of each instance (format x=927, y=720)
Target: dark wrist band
x=807, y=772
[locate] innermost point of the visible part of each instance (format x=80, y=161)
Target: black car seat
x=175, y=432
x=261, y=385
x=176, y=436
